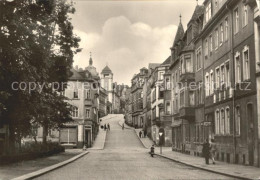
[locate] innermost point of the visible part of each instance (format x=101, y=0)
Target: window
x=216, y=38
x=227, y=74
x=238, y=68
x=182, y=98
x=161, y=75
x=222, y=121
x=188, y=63
x=182, y=66
x=173, y=81
x=192, y=98
x=227, y=121
x=168, y=108
x=237, y=120
x=176, y=102
x=206, y=48
x=246, y=63
x=236, y=21
x=245, y=15
x=226, y=29
x=76, y=94
x=207, y=84
x=198, y=58
x=87, y=113
x=217, y=77
x=154, y=113
x=211, y=91
x=222, y=77
x=168, y=84
x=217, y=122
x=221, y=34
x=75, y=112
x=210, y=44
x=208, y=12
x=88, y=94
x=200, y=94
x=106, y=85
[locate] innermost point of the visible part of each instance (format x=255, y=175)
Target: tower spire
x=90, y=59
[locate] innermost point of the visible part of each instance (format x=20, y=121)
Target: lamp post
x=160, y=135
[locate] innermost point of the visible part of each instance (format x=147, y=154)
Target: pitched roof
x=179, y=33
x=153, y=65
x=79, y=75
x=199, y=10
x=167, y=61
x=106, y=70
x=75, y=75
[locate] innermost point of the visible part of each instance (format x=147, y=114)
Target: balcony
x=187, y=113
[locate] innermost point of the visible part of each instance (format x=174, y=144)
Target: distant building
x=110, y=86
x=137, y=98
x=83, y=95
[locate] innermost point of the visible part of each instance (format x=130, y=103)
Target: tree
x=37, y=46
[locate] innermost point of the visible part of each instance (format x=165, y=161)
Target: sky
x=127, y=35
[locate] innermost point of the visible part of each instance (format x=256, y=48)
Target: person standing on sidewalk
x=108, y=127
x=152, y=151
x=123, y=126
x=206, y=151
x=213, y=150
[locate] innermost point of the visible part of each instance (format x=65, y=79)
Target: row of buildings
x=208, y=87
x=92, y=97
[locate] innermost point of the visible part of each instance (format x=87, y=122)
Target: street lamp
x=160, y=140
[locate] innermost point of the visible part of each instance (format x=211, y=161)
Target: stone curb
x=50, y=168
x=205, y=169
x=141, y=140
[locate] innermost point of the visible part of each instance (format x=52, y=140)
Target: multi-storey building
x=137, y=98
x=82, y=93
x=218, y=98
x=157, y=99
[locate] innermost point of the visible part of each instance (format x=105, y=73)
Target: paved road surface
x=124, y=157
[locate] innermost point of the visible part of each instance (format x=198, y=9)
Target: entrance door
x=250, y=119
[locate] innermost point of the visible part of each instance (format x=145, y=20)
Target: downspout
x=234, y=83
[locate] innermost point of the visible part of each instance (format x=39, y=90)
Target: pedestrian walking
x=213, y=150
x=123, y=126
x=108, y=127
x=206, y=151
x=105, y=127
x=152, y=151
x=140, y=134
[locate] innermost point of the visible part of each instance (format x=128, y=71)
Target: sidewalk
x=24, y=168
x=99, y=142
x=232, y=170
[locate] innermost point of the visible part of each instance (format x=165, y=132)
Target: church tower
x=107, y=82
